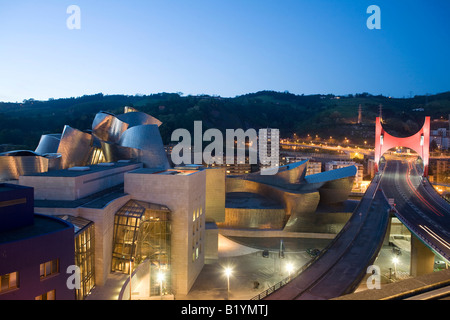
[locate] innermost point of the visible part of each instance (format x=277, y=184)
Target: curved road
x=418, y=205
x=343, y=264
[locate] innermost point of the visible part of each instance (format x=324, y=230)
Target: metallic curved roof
x=20, y=153
x=147, y=139
x=48, y=143
x=108, y=127
x=332, y=175
x=286, y=175
x=138, y=118
x=74, y=147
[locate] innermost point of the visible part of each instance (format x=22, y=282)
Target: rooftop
x=96, y=201
x=80, y=171
x=42, y=225
x=170, y=172
x=10, y=187
x=79, y=223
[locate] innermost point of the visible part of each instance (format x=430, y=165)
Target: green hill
x=22, y=124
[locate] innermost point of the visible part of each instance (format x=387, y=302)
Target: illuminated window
x=51, y=295
x=49, y=268
x=9, y=281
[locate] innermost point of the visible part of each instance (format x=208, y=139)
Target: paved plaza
x=253, y=271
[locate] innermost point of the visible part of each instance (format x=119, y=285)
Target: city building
x=358, y=182
x=129, y=208
x=441, y=137
x=313, y=166
x=183, y=192
x=37, y=250
x=440, y=171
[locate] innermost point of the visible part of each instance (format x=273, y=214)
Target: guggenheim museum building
x=109, y=200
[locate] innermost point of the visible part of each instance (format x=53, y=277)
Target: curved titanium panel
x=114, y=152
x=75, y=147
x=49, y=143
x=334, y=185
x=288, y=176
x=147, y=139
x=107, y=127
x=251, y=210
x=297, y=205
x=138, y=118
x=54, y=161
x=11, y=167
x=336, y=191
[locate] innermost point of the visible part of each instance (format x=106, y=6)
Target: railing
x=281, y=283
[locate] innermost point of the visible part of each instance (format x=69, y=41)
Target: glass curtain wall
x=85, y=259
x=142, y=233
x=84, y=253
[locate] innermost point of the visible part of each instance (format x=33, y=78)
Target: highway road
x=343, y=264
x=340, y=267
x=418, y=205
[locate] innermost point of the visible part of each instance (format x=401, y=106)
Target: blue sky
x=226, y=48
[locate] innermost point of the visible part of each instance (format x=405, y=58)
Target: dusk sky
x=226, y=48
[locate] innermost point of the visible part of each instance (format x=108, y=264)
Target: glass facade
x=84, y=258
x=142, y=233
x=84, y=253
x=96, y=156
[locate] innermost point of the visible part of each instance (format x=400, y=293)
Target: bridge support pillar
x=422, y=258
x=387, y=236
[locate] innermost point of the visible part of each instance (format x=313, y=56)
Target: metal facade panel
x=75, y=147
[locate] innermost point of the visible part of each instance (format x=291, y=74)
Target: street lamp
x=228, y=272
x=289, y=268
x=131, y=271
x=160, y=279
x=395, y=261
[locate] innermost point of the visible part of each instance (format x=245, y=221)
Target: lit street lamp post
x=160, y=280
x=395, y=261
x=289, y=268
x=131, y=270
x=228, y=274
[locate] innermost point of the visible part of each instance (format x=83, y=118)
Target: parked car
x=313, y=252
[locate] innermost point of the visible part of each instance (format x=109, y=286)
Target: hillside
x=22, y=124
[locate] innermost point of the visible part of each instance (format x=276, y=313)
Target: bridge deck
x=341, y=266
